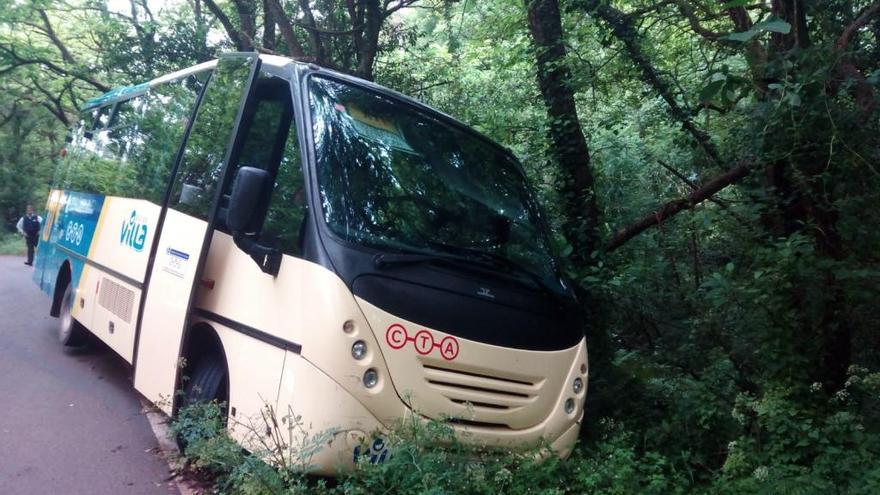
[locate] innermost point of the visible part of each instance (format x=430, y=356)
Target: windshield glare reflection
x=398, y=179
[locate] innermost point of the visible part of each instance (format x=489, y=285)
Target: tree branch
x=230, y=28
x=316, y=44
x=676, y=206
x=649, y=9
x=53, y=103
x=65, y=54
x=246, y=11
x=284, y=25
x=401, y=4
x=21, y=61
x=860, y=21
x=625, y=31
x=694, y=186
x=691, y=17
x=862, y=92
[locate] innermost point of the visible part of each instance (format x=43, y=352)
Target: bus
x=260, y=231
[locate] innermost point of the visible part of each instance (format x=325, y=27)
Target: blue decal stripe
x=70, y=238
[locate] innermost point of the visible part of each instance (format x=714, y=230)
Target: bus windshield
x=399, y=179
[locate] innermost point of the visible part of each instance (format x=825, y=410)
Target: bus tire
x=70, y=332
x=207, y=382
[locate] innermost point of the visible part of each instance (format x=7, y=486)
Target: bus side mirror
x=248, y=189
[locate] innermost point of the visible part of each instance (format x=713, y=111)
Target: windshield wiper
x=494, y=260
x=388, y=260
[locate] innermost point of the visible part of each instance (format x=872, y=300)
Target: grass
x=12, y=244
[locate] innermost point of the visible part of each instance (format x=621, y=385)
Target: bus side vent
x=116, y=299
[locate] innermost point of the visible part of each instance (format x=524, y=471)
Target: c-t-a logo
x=397, y=337
x=134, y=232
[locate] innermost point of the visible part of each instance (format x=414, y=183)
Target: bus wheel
x=207, y=382
x=70, y=332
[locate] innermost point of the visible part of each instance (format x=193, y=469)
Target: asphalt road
x=70, y=421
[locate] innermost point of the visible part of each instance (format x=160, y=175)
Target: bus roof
x=126, y=92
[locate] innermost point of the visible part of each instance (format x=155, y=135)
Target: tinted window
x=133, y=153
x=202, y=164
x=400, y=179
x=270, y=143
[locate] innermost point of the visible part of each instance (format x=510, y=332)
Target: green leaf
x=732, y=4
x=773, y=24
x=742, y=37
x=709, y=92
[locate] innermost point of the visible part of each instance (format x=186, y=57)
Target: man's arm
x=20, y=226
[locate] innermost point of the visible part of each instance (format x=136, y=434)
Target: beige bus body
x=490, y=395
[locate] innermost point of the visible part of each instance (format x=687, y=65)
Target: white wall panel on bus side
x=243, y=293
x=122, y=241
x=84, y=302
x=165, y=307
x=306, y=305
x=330, y=418
x=115, y=315
x=254, y=379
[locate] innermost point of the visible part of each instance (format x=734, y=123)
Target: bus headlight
x=359, y=350
x=371, y=378
x=577, y=386
x=569, y=406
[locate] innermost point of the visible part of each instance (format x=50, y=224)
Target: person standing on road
x=29, y=227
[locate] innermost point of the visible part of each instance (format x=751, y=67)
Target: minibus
x=281, y=237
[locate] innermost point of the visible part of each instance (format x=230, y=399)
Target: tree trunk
x=369, y=42
x=268, y=26
x=247, y=19
x=569, y=147
x=801, y=199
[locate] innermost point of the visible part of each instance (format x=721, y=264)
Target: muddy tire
x=70, y=332
x=207, y=382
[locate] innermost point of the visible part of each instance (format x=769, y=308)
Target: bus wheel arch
x=62, y=280
x=204, y=374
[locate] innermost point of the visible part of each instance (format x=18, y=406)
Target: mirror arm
x=269, y=259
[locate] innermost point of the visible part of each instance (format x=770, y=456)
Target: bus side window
x=162, y=121
x=285, y=217
x=111, y=161
x=270, y=142
x=88, y=170
x=73, y=147
x=203, y=157
x=132, y=156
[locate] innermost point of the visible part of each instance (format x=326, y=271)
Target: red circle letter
x=449, y=348
x=424, y=342
x=396, y=336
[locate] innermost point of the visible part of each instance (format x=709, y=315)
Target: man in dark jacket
x=29, y=227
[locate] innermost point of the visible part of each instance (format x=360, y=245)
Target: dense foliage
x=710, y=170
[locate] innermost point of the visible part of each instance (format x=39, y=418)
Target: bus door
x=185, y=233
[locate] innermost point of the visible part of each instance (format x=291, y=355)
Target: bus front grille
x=483, y=397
